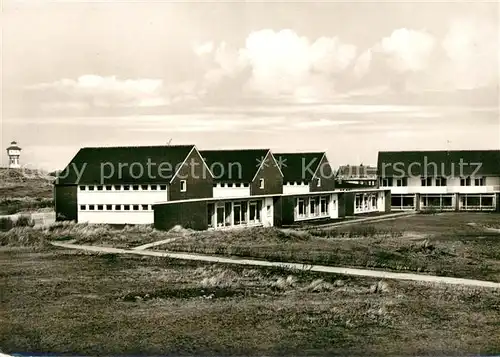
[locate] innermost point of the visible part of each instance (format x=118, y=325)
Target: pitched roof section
x=298, y=167
x=130, y=164
x=438, y=163
x=234, y=165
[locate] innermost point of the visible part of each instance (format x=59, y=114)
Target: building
x=119, y=185
x=179, y=185
x=14, y=151
x=441, y=180
x=361, y=175
x=294, y=188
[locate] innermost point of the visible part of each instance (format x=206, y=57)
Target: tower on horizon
x=14, y=151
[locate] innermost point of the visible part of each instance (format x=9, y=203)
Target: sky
x=349, y=78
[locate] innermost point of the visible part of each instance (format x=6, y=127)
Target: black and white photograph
x=249, y=178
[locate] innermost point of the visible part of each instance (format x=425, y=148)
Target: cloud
x=362, y=64
x=97, y=91
x=408, y=50
x=283, y=63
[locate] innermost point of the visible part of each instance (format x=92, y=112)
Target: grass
x=443, y=244
x=24, y=204
x=24, y=190
x=68, y=302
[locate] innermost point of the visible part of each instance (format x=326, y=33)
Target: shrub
x=6, y=224
x=24, y=221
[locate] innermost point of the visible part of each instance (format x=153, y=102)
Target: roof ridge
x=136, y=146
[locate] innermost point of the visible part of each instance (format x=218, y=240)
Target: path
x=316, y=268
x=154, y=244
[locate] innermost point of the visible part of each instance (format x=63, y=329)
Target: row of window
x=365, y=202
x=183, y=187
x=234, y=213
x=313, y=206
x=116, y=207
x=430, y=181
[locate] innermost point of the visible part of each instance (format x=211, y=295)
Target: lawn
x=464, y=245
x=62, y=301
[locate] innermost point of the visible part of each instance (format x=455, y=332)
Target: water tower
x=14, y=151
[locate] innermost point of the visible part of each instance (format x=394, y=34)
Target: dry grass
x=443, y=244
x=82, y=304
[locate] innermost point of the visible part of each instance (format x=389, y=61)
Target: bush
x=24, y=221
x=6, y=224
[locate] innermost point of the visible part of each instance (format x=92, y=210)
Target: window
x=99, y=188
x=302, y=207
x=261, y=183
x=440, y=181
x=487, y=201
x=323, y=205
x=135, y=207
x=83, y=207
x=118, y=187
x=118, y=207
x=144, y=187
x=426, y=181
x=254, y=214
x=216, y=184
x=480, y=181
x=183, y=185
x=374, y=201
x=402, y=182
x=153, y=187
x=126, y=187
x=386, y=182
x=126, y=207
x=91, y=207
x=91, y=188
x=82, y=188
x=163, y=187
x=245, y=185
x=465, y=181
x=109, y=207
x=144, y=207
x=135, y=187
x=319, y=182
x=229, y=185
x=109, y=187
x=312, y=206
x=100, y=207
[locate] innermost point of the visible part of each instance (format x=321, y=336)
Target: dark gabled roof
x=438, y=163
x=13, y=146
x=108, y=165
x=234, y=165
x=356, y=170
x=298, y=167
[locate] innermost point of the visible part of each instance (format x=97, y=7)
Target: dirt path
x=385, y=217
x=317, y=268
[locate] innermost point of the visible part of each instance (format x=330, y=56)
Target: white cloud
x=204, y=48
x=284, y=63
x=94, y=90
x=408, y=50
x=362, y=64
